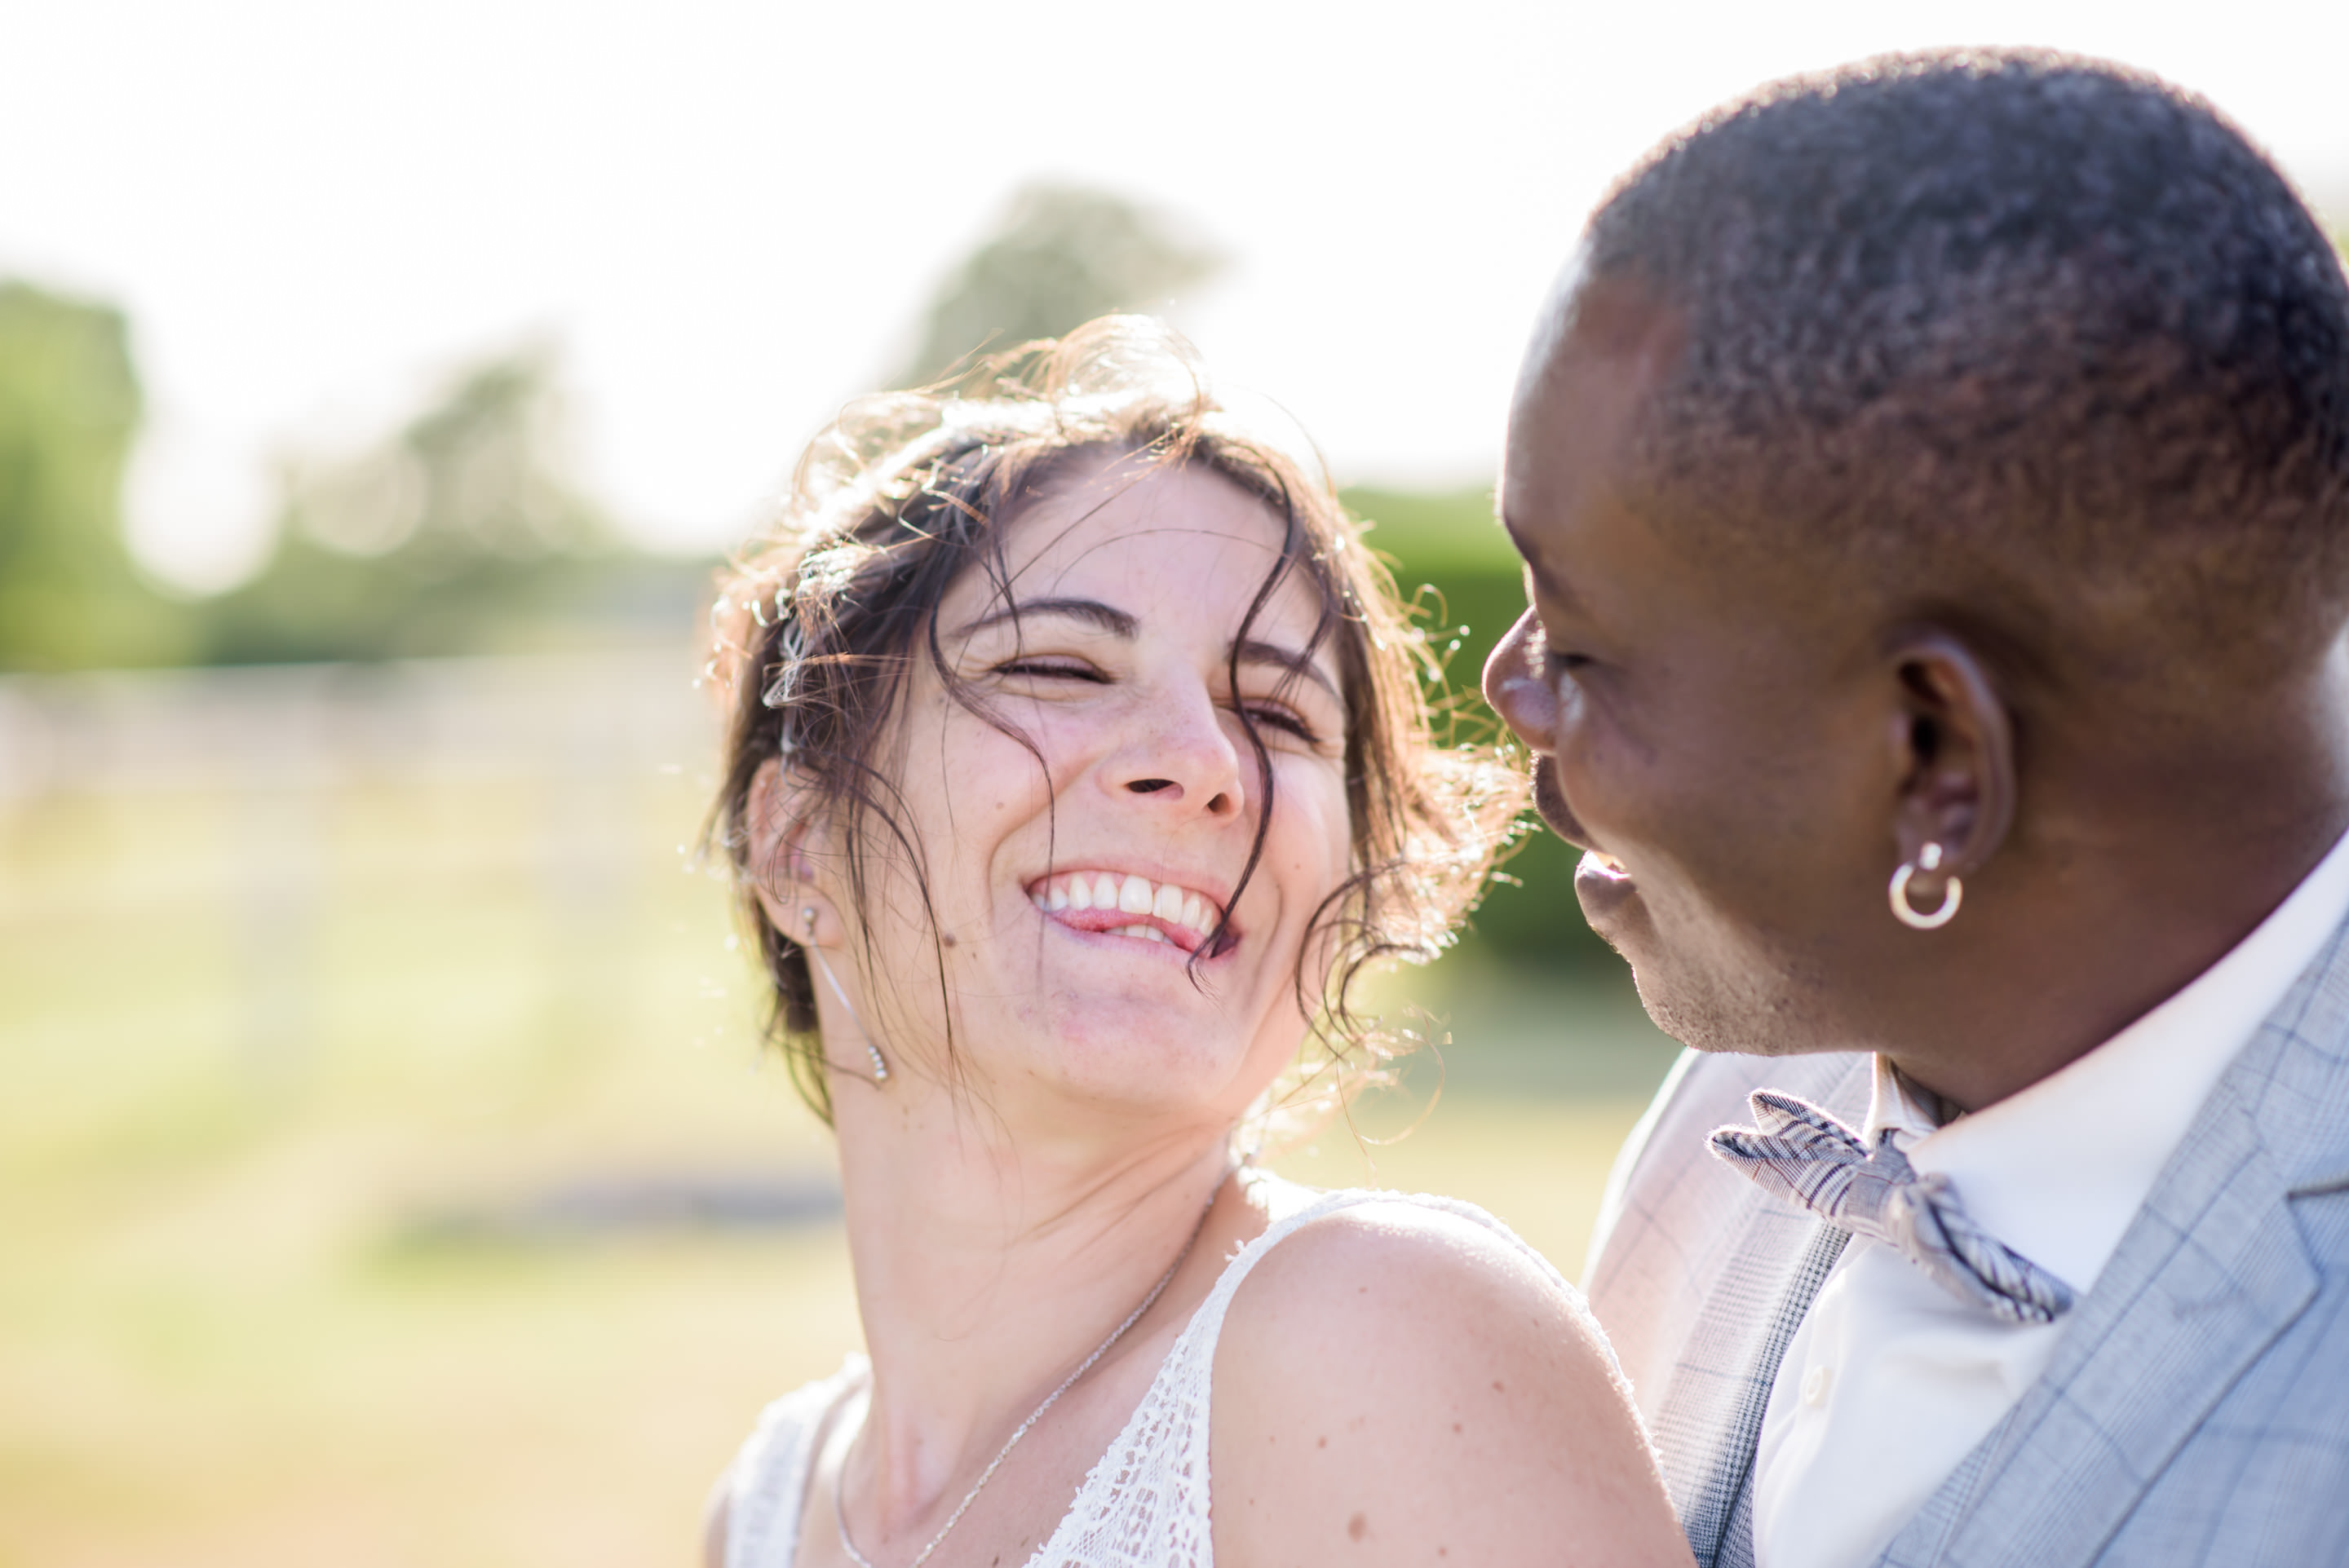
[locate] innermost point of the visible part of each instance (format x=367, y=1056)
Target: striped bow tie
x=1799, y=1152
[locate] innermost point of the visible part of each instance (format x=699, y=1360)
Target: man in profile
x=1934, y=480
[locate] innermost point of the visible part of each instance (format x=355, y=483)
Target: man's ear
x=781, y=853
x=1953, y=742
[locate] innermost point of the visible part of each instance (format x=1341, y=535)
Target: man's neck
x=2120, y=946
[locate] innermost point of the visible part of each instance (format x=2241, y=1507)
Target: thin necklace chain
x=840, y=1476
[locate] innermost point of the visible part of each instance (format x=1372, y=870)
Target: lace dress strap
x=766, y=1487
x=1146, y=1502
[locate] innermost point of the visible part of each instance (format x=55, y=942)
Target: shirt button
x=1815, y=1386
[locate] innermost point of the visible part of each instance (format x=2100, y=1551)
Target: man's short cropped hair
x=2040, y=338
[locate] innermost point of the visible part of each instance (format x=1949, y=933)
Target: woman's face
x=1071, y=892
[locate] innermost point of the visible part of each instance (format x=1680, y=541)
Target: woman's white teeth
x=1128, y=895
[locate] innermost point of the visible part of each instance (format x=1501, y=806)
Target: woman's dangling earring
x=807, y=925
x=1952, y=895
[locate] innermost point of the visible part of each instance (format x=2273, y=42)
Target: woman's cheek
x=1312, y=835
x=999, y=769
x=1331, y=830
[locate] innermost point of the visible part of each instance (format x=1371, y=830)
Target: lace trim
x=766, y=1490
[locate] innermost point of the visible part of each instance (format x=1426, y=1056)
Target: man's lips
x=1549, y=800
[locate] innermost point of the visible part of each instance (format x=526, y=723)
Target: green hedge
x=1448, y=550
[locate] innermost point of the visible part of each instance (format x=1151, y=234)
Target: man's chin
x=1686, y=1018
x=1704, y=1017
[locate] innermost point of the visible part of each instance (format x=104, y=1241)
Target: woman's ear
x=778, y=831
x=1955, y=756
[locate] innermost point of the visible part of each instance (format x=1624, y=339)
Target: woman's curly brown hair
x=820, y=621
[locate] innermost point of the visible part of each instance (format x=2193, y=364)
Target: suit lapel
x=2211, y=1270
x=1774, y=1259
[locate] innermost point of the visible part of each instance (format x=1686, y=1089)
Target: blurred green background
x=388, y=1167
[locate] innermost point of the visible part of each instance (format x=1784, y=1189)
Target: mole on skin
x=1358, y=1526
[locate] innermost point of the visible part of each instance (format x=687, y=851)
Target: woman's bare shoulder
x=713, y=1524
x=1407, y=1381
x=1380, y=1275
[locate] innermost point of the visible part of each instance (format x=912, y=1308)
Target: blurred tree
x=69, y=409
x=1062, y=255
x=456, y=534
x=1450, y=554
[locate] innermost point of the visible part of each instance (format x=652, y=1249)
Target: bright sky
x=728, y=216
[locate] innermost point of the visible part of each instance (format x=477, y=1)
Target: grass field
x=255, y=1051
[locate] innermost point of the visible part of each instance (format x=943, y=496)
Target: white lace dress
x=1145, y=1505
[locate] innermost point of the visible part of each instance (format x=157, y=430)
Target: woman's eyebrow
x=1092, y=611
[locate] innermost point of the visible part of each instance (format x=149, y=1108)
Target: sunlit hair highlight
x=819, y=623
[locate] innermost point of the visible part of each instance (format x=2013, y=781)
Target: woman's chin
x=1140, y=1052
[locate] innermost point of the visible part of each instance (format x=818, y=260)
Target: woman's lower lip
x=1170, y=947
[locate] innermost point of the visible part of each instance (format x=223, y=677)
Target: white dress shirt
x=1891, y=1380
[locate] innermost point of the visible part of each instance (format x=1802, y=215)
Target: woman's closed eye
x=1035, y=668
x=1286, y=719
x=1270, y=713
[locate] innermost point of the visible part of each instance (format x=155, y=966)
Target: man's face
x=1708, y=723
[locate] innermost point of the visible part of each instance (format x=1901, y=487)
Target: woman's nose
x=1186, y=753
x=1519, y=688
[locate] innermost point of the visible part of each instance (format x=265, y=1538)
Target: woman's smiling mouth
x=1123, y=903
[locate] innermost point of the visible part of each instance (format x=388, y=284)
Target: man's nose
x=1519, y=690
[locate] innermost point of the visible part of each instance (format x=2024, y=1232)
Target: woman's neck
x=985, y=1273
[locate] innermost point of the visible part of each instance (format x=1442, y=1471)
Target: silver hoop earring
x=1953, y=893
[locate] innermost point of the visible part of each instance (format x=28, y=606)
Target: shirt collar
x=1896, y=1104
x=2058, y=1170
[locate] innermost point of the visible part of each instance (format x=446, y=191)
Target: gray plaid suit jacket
x=2197, y=1407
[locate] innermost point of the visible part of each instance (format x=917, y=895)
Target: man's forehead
x=1575, y=412
x=1619, y=327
